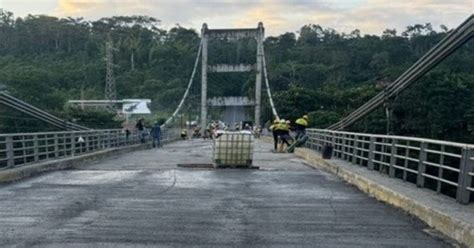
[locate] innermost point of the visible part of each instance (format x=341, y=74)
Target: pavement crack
x=173, y=184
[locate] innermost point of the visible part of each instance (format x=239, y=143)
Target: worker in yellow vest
x=283, y=130
x=274, y=130
x=300, y=126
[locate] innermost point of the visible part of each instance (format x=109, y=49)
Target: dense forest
x=47, y=61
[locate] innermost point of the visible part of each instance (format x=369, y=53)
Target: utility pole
x=204, y=37
x=258, y=77
x=110, y=89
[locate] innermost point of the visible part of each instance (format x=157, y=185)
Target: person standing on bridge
x=156, y=135
x=300, y=126
x=141, y=130
x=283, y=129
x=274, y=130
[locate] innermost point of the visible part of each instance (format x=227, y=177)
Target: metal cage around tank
x=233, y=149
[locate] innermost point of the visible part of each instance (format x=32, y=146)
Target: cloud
x=77, y=7
x=265, y=14
x=370, y=16
x=97, y=8
x=374, y=16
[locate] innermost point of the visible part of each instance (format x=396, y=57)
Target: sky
x=278, y=16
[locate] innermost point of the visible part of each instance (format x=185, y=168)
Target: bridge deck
x=143, y=199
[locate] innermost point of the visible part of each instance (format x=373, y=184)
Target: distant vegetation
x=46, y=61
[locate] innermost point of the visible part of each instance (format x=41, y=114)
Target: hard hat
x=305, y=117
x=288, y=122
x=282, y=121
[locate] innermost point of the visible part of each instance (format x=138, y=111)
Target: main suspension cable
x=180, y=105
x=269, y=93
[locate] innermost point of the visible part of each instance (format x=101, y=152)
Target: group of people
x=281, y=133
x=280, y=130
x=155, y=132
x=214, y=127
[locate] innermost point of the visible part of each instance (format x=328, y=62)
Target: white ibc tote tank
x=233, y=149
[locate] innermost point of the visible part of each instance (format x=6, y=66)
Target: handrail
x=447, y=167
x=19, y=149
x=415, y=139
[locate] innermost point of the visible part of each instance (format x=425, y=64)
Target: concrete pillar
x=258, y=79
x=204, y=39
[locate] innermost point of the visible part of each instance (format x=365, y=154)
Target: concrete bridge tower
x=232, y=34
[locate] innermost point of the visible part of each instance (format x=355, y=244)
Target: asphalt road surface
x=143, y=199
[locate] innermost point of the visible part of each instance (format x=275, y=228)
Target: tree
x=47, y=61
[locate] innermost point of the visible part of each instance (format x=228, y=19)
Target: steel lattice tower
x=110, y=89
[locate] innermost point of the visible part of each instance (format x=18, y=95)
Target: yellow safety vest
x=302, y=122
x=273, y=126
x=282, y=127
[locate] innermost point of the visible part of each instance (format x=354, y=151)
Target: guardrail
x=27, y=148
x=445, y=167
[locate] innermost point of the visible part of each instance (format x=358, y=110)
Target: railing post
x=9, y=151
x=123, y=141
x=86, y=138
x=35, y=148
x=333, y=143
x=420, y=179
x=393, y=159
x=316, y=139
x=440, y=170
x=465, y=175
x=56, y=148
x=110, y=142
x=73, y=144
x=370, y=161
x=337, y=142
x=309, y=144
x=346, y=147
x=354, y=149
x=118, y=138
x=24, y=148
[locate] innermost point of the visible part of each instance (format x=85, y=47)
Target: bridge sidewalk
x=438, y=211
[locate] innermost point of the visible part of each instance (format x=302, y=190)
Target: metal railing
x=445, y=167
x=27, y=148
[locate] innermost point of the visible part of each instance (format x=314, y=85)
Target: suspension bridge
x=104, y=188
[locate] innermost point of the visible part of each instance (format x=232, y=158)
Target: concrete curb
x=457, y=229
